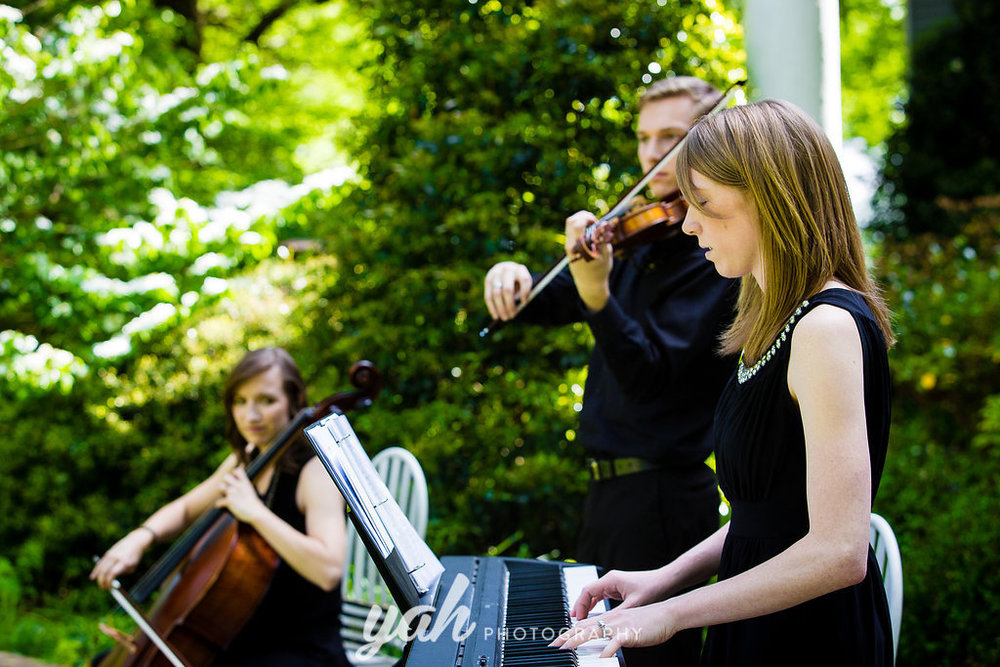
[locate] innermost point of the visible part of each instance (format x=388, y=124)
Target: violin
x=214, y=576
x=622, y=226
x=644, y=223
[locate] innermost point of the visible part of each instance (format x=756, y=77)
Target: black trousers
x=643, y=521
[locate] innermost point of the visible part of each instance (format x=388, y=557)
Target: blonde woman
x=801, y=429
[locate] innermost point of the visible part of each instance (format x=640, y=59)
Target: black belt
x=601, y=469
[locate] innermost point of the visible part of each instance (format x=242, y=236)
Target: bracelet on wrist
x=152, y=532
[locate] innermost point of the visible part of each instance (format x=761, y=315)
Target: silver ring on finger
x=497, y=285
x=604, y=629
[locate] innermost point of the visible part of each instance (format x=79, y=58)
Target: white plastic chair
x=886, y=549
x=362, y=587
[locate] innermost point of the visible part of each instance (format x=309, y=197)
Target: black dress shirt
x=654, y=374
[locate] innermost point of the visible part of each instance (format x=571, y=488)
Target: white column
x=793, y=53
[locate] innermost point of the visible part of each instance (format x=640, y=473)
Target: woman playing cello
x=293, y=505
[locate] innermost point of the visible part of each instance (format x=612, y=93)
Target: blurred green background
x=183, y=180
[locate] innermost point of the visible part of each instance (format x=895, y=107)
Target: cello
x=212, y=579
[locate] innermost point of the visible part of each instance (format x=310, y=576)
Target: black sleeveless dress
x=297, y=623
x=760, y=457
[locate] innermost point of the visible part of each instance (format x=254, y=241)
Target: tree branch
x=272, y=17
x=269, y=19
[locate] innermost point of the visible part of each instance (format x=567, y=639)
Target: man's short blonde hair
x=674, y=86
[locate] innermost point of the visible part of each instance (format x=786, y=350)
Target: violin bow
x=618, y=209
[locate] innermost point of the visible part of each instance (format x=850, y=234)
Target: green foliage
x=874, y=61
x=479, y=125
x=492, y=122
x=939, y=485
x=939, y=219
x=322, y=92
x=100, y=125
x=486, y=125
x=105, y=272
x=56, y=632
x=10, y=589
x=948, y=146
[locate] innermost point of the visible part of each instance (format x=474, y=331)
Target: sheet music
x=327, y=446
x=376, y=508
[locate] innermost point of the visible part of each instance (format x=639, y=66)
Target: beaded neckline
x=743, y=373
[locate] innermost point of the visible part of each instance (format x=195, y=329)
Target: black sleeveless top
x=297, y=623
x=761, y=465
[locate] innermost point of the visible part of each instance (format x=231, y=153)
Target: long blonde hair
x=784, y=164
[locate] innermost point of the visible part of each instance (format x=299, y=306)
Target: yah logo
x=395, y=625
x=450, y=612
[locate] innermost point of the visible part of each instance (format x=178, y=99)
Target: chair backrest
x=362, y=586
x=886, y=549
x=401, y=472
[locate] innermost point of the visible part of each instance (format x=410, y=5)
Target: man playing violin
x=654, y=375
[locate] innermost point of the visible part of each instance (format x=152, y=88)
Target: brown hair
x=784, y=164
x=251, y=365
